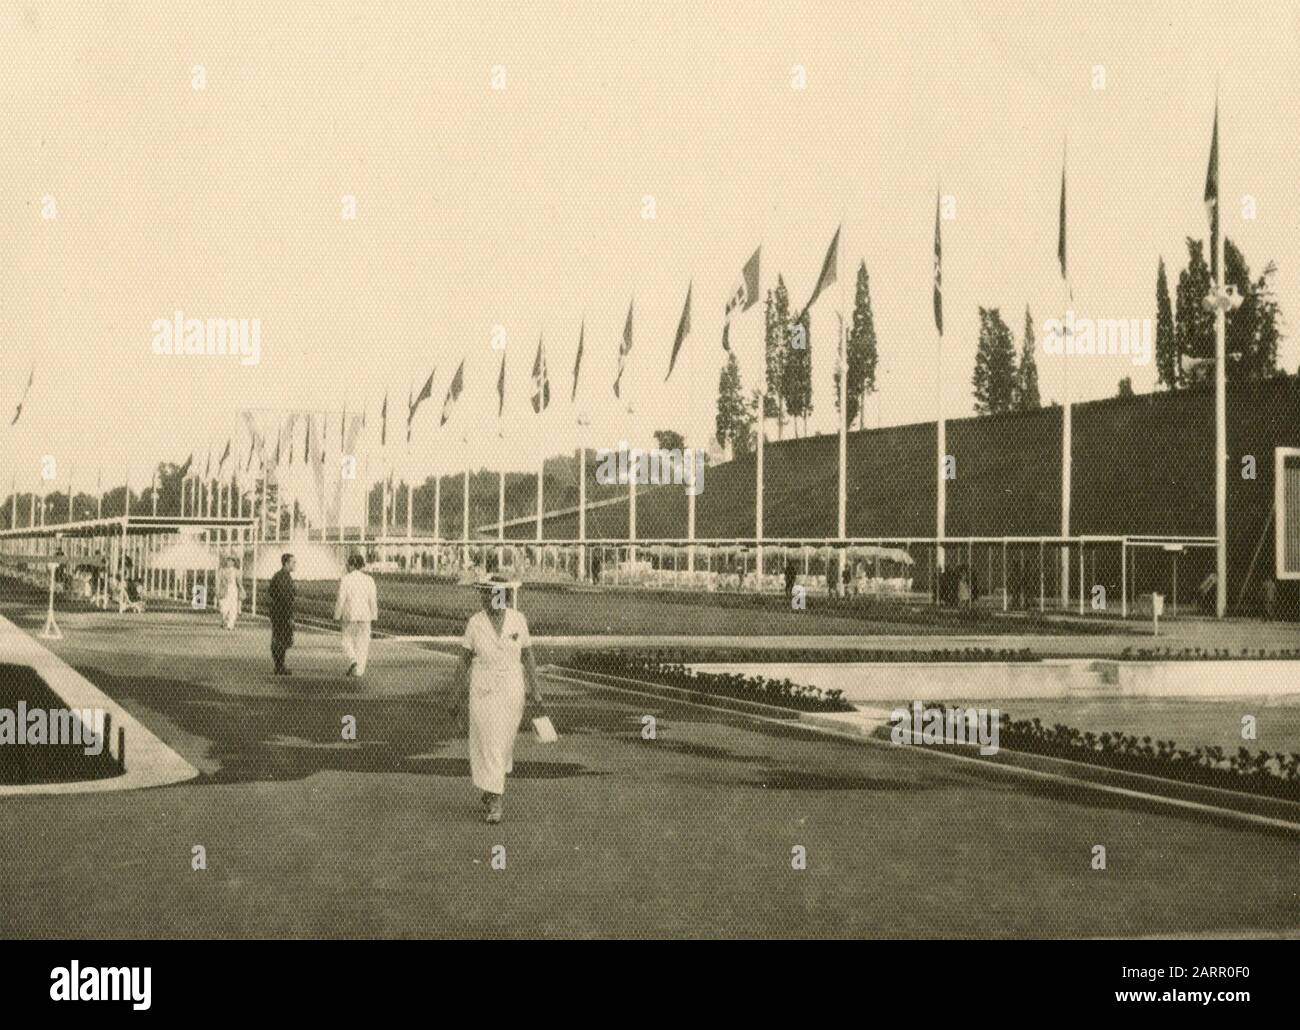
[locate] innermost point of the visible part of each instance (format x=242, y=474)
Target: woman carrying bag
x=497, y=671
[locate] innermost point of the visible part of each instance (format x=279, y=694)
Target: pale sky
x=523, y=207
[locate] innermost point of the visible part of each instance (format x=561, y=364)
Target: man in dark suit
x=281, y=596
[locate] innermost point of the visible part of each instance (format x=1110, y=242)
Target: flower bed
x=1274, y=774
x=652, y=668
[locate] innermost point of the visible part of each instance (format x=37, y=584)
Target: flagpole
x=690, y=514
x=541, y=472
x=1067, y=410
x=758, y=490
x=70, y=518
x=941, y=428
x=582, y=513
x=844, y=428
x=1222, y=303
x=464, y=516
x=633, y=470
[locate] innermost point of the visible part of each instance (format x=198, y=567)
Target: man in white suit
x=356, y=608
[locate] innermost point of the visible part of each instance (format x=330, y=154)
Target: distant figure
x=595, y=567
x=847, y=576
x=791, y=575
x=963, y=587
x=230, y=592
x=280, y=598
x=497, y=671
x=356, y=608
x=1209, y=594
x=832, y=581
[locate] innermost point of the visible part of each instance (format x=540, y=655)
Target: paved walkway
x=687, y=832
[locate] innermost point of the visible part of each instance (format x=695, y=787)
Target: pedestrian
x=230, y=592
x=280, y=598
x=791, y=576
x=497, y=669
x=356, y=608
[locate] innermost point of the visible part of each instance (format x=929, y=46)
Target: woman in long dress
x=498, y=671
x=230, y=592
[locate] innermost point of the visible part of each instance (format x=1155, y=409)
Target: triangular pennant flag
x=425, y=393
x=1060, y=235
x=938, y=270
x=541, y=381
x=683, y=330
x=31, y=376
x=453, y=393
x=577, y=362
x=827, y=276
x=383, y=424
x=625, y=348
x=501, y=386
x=1212, y=196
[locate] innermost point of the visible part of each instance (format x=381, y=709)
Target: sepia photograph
x=650, y=471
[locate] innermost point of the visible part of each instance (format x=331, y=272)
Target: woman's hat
x=495, y=581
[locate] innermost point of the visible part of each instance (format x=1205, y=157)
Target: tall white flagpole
x=844, y=428
x=941, y=428
x=1067, y=410
x=541, y=472
x=1222, y=302
x=582, y=513
x=464, y=516
x=758, y=486
x=70, y=514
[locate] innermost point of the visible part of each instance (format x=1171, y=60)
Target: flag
x=743, y=297
x=828, y=270
x=683, y=330
x=1212, y=197
x=541, y=381
x=306, y=441
x=1060, y=236
x=184, y=470
x=23, y=400
x=626, y=348
x=577, y=362
x=453, y=393
x=501, y=386
x=938, y=271
x=383, y=423
x=425, y=393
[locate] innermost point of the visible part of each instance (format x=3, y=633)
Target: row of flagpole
x=743, y=298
